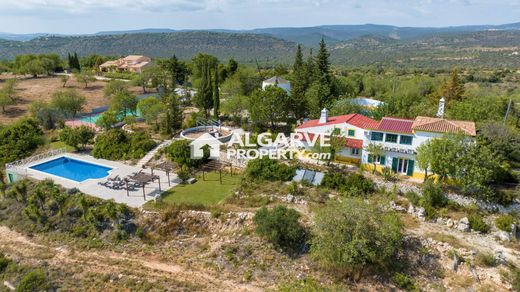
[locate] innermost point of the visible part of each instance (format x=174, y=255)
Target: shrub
x=403, y=281
x=515, y=279
x=352, y=184
x=269, y=169
x=19, y=140
x=433, y=195
x=184, y=173
x=33, y=281
x=180, y=153
x=116, y=144
x=280, y=226
x=4, y=262
x=352, y=235
x=476, y=222
x=77, y=136
x=504, y=222
x=485, y=260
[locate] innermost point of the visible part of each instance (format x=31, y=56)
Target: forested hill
x=247, y=48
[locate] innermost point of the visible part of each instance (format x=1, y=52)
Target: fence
x=18, y=166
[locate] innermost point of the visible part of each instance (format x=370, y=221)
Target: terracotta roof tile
x=395, y=125
x=444, y=126
x=354, y=119
x=354, y=143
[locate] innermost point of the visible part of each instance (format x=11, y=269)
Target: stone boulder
x=450, y=223
x=463, y=225
x=503, y=236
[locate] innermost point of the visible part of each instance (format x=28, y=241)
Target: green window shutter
x=410, y=168
x=370, y=158
x=383, y=160
x=394, y=164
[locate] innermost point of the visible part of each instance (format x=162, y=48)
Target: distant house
x=131, y=63
x=277, y=81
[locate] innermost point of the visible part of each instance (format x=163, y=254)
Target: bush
x=351, y=184
x=403, y=281
x=280, y=226
x=4, y=262
x=504, y=222
x=180, y=153
x=352, y=235
x=19, y=140
x=269, y=169
x=33, y=281
x=77, y=136
x=116, y=144
x=515, y=279
x=485, y=260
x=476, y=222
x=184, y=173
x=433, y=195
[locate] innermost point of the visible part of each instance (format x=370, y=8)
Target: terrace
x=91, y=182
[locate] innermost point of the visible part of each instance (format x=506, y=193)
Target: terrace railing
x=208, y=122
x=18, y=166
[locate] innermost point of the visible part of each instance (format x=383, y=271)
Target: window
x=392, y=138
x=402, y=165
x=351, y=133
x=406, y=140
x=354, y=151
x=376, y=136
x=377, y=159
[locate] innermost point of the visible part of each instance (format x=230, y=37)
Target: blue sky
x=89, y=16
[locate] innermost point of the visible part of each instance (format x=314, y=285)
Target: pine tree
x=216, y=95
x=322, y=62
x=324, y=76
x=300, y=84
x=453, y=89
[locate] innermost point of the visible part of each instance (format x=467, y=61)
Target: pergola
x=165, y=166
x=143, y=179
x=215, y=165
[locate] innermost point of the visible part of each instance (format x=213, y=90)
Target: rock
x=411, y=209
x=421, y=213
x=514, y=231
x=455, y=263
x=503, y=236
x=441, y=221
x=450, y=223
x=290, y=198
x=500, y=258
x=463, y=225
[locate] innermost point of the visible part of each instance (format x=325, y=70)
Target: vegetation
x=19, y=140
x=350, y=237
x=77, y=137
x=269, y=169
x=280, y=226
x=504, y=222
x=180, y=152
x=68, y=102
x=116, y=144
x=352, y=184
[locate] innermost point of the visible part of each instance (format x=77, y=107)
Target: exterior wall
x=12, y=177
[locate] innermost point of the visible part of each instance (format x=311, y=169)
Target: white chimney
x=324, y=116
x=442, y=104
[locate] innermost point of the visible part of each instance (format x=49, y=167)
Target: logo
x=205, y=141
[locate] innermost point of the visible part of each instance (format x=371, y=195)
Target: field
x=204, y=192
x=29, y=90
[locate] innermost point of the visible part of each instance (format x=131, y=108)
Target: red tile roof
x=354, y=143
x=395, y=125
x=444, y=126
x=357, y=120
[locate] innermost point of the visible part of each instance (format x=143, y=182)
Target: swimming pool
x=92, y=119
x=73, y=169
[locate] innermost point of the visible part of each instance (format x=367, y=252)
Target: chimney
x=442, y=104
x=324, y=116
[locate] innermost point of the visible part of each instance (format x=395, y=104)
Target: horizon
x=89, y=17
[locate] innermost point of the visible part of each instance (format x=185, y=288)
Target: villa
x=398, y=137
x=131, y=63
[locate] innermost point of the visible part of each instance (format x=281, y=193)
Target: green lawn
x=207, y=192
x=59, y=144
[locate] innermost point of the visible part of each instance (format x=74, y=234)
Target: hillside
x=243, y=47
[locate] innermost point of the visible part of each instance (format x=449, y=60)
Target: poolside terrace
x=133, y=198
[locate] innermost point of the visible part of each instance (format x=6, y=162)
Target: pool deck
x=92, y=188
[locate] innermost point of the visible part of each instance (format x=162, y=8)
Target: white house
x=277, y=81
x=399, y=138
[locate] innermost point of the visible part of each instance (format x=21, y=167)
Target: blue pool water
x=73, y=169
x=91, y=119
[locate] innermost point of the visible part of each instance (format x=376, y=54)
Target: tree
x=269, y=169
x=345, y=106
x=234, y=106
x=77, y=137
x=180, y=152
x=107, y=120
x=173, y=114
x=204, y=65
x=299, y=85
x=64, y=79
x=177, y=70
x=85, y=76
x=123, y=103
x=73, y=61
x=280, y=226
x=216, y=95
x=9, y=89
x=151, y=109
x=424, y=157
x=114, y=87
x=374, y=150
x=69, y=102
x=352, y=235
x=453, y=88
x=19, y=140
x=5, y=101
x=440, y=155
x=269, y=106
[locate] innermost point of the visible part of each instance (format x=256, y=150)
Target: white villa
x=399, y=138
x=277, y=81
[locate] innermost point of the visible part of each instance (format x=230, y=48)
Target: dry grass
x=29, y=90
x=447, y=238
